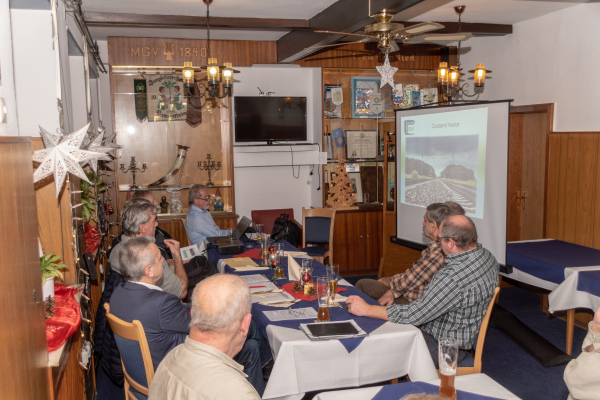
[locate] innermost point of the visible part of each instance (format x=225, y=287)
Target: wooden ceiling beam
x=341, y=16
x=97, y=19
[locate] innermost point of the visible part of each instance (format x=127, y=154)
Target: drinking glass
x=264, y=249
x=323, y=296
x=278, y=266
x=259, y=232
x=448, y=355
x=306, y=271
x=229, y=233
x=333, y=271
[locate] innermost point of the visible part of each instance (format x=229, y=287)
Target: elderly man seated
x=199, y=224
x=456, y=300
x=203, y=367
x=165, y=319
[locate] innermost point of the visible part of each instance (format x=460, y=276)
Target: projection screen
x=458, y=153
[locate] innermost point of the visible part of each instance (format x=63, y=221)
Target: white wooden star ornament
x=61, y=156
x=96, y=145
x=387, y=73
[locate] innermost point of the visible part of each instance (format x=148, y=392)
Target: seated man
x=456, y=300
x=165, y=319
x=408, y=286
x=199, y=224
x=139, y=219
x=203, y=366
x=581, y=374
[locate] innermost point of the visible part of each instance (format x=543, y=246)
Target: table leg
x=570, y=326
x=544, y=304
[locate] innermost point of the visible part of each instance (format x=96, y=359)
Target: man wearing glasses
x=456, y=300
x=199, y=224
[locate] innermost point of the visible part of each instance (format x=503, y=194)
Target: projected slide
x=443, y=158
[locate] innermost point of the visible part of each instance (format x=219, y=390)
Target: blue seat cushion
x=137, y=394
x=131, y=354
x=315, y=251
x=468, y=361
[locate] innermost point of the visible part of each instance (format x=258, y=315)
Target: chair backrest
x=476, y=369
x=268, y=217
x=318, y=224
x=135, y=353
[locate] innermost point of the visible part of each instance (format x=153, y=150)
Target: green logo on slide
x=409, y=127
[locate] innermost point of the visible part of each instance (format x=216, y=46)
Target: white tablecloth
x=476, y=383
x=566, y=296
x=391, y=351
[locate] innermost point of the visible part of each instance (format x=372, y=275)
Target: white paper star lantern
x=96, y=145
x=61, y=156
x=387, y=73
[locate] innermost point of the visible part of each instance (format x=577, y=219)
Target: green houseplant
x=50, y=270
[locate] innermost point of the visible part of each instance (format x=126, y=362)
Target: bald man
x=456, y=300
x=203, y=367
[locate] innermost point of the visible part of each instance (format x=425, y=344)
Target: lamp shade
x=443, y=73
x=480, y=73
x=188, y=74
x=212, y=70
x=228, y=75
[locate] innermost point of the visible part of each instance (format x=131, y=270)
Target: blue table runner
x=400, y=390
x=548, y=259
x=335, y=313
x=589, y=281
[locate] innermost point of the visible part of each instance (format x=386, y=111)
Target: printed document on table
x=292, y=314
x=262, y=286
x=254, y=278
x=272, y=297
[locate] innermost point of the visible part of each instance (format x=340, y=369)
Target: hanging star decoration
x=62, y=155
x=387, y=73
x=97, y=146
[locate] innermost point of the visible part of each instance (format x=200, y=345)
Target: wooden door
x=373, y=244
x=349, y=240
x=530, y=127
x=24, y=354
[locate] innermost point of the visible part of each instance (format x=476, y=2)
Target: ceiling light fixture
x=448, y=78
x=217, y=75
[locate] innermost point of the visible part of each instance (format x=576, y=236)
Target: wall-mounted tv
x=270, y=119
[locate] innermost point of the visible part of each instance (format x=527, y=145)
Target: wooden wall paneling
x=535, y=130
x=130, y=51
x=515, y=176
x=552, y=188
x=562, y=189
x=596, y=202
x=70, y=385
x=571, y=187
x=373, y=239
x=24, y=354
x=586, y=189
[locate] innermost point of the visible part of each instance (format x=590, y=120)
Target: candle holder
x=134, y=169
x=209, y=166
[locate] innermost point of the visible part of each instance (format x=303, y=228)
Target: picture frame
x=356, y=183
x=361, y=144
x=330, y=110
x=362, y=88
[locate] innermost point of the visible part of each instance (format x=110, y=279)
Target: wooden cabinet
x=24, y=354
x=357, y=240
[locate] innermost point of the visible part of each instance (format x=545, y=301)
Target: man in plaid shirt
x=456, y=300
x=408, y=286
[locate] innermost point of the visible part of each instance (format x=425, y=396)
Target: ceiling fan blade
x=343, y=33
x=418, y=28
x=446, y=37
x=340, y=44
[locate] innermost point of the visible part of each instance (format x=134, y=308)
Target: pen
x=256, y=287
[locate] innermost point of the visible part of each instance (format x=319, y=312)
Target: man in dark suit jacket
x=165, y=319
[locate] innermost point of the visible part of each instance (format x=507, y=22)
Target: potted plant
x=50, y=270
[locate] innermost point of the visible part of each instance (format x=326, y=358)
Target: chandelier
x=448, y=78
x=217, y=75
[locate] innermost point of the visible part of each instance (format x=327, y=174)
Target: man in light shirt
x=203, y=367
x=199, y=224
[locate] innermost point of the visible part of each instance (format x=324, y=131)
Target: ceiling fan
x=387, y=33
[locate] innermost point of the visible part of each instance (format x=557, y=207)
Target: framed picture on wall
x=356, y=183
x=362, y=90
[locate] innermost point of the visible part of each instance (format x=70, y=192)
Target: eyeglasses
x=207, y=198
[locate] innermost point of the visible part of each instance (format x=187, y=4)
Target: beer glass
x=447, y=355
x=278, y=266
x=333, y=271
x=323, y=298
x=259, y=232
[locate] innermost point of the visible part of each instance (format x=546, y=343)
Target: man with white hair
x=203, y=367
x=199, y=224
x=139, y=219
x=165, y=319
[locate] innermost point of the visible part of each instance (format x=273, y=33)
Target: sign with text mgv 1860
x=165, y=98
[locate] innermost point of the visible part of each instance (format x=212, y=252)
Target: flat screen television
x=270, y=119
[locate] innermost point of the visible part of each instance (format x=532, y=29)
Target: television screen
x=269, y=118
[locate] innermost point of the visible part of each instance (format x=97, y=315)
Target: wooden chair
x=135, y=355
x=476, y=368
x=317, y=228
